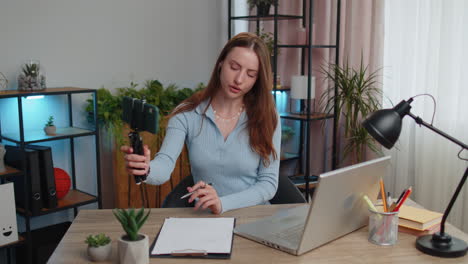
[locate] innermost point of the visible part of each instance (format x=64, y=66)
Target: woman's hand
x=134, y=163
x=208, y=197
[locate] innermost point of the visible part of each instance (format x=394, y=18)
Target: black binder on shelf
x=46, y=165
x=14, y=157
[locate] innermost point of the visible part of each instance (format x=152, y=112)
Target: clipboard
x=171, y=242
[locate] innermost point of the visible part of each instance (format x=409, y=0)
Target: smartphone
x=151, y=118
x=139, y=115
x=127, y=109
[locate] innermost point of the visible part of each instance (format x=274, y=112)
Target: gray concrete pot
x=101, y=253
x=133, y=252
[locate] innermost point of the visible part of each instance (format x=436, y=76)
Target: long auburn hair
x=259, y=104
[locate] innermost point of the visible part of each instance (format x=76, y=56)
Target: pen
x=369, y=203
x=190, y=193
x=394, y=205
x=389, y=201
x=384, y=195
x=405, y=196
x=401, y=196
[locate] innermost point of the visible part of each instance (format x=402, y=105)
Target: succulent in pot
x=99, y=247
x=49, y=127
x=31, y=77
x=133, y=247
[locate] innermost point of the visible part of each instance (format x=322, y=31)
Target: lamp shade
x=299, y=87
x=385, y=125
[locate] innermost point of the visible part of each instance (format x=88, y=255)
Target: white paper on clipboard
x=210, y=235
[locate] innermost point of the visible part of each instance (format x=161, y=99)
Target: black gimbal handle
x=137, y=145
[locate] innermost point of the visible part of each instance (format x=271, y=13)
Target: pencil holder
x=383, y=228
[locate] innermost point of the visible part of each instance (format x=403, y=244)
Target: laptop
x=336, y=209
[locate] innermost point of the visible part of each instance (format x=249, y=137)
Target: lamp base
x=443, y=246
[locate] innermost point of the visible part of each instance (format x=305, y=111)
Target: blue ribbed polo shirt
x=235, y=170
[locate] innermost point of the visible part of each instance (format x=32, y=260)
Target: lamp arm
x=452, y=201
x=462, y=181
x=419, y=121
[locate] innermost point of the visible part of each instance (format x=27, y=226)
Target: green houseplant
x=99, y=247
x=110, y=104
x=133, y=247
x=287, y=133
x=49, y=127
x=263, y=6
x=268, y=38
x=357, y=96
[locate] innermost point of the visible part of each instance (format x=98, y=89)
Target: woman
x=232, y=133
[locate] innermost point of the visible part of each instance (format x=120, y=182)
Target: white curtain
x=426, y=51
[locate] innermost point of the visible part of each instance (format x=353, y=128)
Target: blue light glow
x=34, y=97
x=281, y=101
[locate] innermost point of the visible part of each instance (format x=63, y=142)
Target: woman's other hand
x=136, y=164
x=207, y=197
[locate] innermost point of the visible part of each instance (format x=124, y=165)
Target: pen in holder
x=383, y=227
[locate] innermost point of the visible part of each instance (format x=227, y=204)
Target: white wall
x=95, y=43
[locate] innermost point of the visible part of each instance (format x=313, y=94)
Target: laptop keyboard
x=291, y=234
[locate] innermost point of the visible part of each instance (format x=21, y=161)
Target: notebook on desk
x=336, y=209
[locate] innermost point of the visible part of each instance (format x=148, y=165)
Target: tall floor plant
x=357, y=96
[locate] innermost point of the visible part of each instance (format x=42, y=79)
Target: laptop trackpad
x=284, y=228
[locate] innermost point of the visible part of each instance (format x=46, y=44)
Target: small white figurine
x=2, y=155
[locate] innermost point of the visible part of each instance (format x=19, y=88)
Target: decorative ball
x=62, y=182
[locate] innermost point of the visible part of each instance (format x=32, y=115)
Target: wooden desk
x=352, y=248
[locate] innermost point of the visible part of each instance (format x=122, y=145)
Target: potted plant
x=50, y=128
x=267, y=37
x=31, y=77
x=99, y=247
x=110, y=105
x=357, y=96
x=287, y=133
x=133, y=247
x=263, y=6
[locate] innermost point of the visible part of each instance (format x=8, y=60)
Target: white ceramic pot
x=50, y=130
x=101, y=253
x=133, y=252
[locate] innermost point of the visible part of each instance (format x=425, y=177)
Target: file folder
x=46, y=165
x=15, y=157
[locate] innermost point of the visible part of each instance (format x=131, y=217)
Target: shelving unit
x=307, y=118
x=74, y=197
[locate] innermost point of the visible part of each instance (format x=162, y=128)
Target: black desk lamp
x=385, y=126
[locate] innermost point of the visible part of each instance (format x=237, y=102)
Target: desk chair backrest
x=173, y=200
x=287, y=193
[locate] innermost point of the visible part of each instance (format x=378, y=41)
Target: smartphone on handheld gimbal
x=140, y=116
